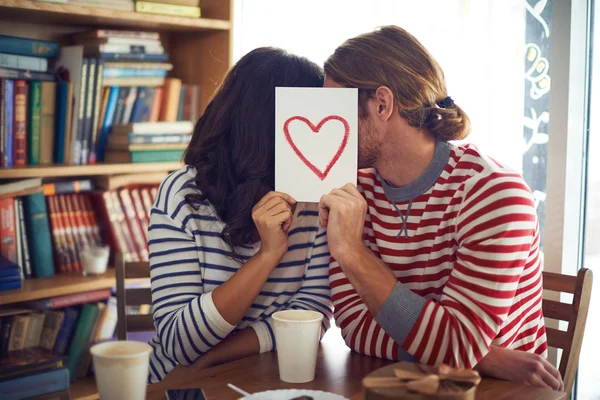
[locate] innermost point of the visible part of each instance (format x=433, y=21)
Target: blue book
x=28, y=47
x=107, y=123
x=66, y=331
x=62, y=109
x=138, y=106
x=10, y=285
x=9, y=270
x=133, y=57
x=134, y=73
x=35, y=385
x=9, y=279
x=38, y=230
x=26, y=63
x=9, y=134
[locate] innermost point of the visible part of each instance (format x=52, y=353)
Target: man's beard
x=369, y=146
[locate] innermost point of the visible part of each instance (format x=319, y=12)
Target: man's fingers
x=351, y=189
x=559, y=384
x=324, y=205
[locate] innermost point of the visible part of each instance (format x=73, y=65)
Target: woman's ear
x=384, y=99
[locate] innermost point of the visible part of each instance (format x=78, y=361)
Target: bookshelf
x=201, y=52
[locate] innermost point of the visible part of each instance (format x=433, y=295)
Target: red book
x=84, y=238
x=134, y=223
x=127, y=234
x=70, y=300
x=154, y=193
x=89, y=216
x=147, y=200
x=20, y=123
x=61, y=251
x=70, y=233
x=8, y=230
x=156, y=105
x=113, y=235
x=140, y=211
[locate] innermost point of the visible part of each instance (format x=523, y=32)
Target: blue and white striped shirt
x=188, y=260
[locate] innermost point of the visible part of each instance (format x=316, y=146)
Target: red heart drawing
x=321, y=174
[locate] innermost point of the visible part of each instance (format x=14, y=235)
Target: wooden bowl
x=448, y=390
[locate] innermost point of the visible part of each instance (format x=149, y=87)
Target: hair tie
x=446, y=103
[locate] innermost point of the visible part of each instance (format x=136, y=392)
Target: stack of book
x=148, y=142
x=179, y=8
x=46, y=345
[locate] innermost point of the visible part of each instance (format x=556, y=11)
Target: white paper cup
x=95, y=260
x=297, y=335
x=121, y=369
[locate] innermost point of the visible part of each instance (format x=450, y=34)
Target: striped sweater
x=188, y=260
x=467, y=260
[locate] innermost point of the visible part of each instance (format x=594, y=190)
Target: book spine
x=134, y=73
x=37, y=64
x=120, y=111
x=35, y=385
x=40, y=245
x=134, y=224
x=57, y=236
x=62, y=101
x=106, y=33
x=167, y=9
x=18, y=240
x=51, y=328
x=80, y=337
x=34, y=123
x=133, y=57
x=159, y=139
x=18, y=332
x=20, y=124
x=128, y=48
x=2, y=116
x=138, y=107
x=156, y=105
x=89, y=216
x=78, y=220
x=9, y=111
x=67, y=187
x=65, y=236
x=28, y=47
x=85, y=361
x=111, y=106
x=82, y=219
x=72, y=233
x=119, y=235
x=190, y=3
x=8, y=230
x=156, y=156
x=172, y=90
x=127, y=233
x=16, y=74
x=66, y=329
x=129, y=103
x=26, y=261
x=71, y=128
x=34, y=331
x=5, y=334
x=88, y=123
x=147, y=106
x=109, y=324
x=141, y=212
x=48, y=124
x=98, y=109
x=181, y=105
x=147, y=200
x=81, y=113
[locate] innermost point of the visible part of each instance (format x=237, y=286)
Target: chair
x=132, y=297
x=575, y=314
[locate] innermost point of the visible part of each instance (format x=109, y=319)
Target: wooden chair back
x=575, y=314
x=132, y=297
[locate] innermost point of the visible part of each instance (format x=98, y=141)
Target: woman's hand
x=272, y=216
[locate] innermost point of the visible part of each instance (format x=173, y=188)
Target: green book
x=38, y=235
x=34, y=123
x=84, y=330
x=143, y=156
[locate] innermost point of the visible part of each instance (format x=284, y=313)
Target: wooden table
x=338, y=371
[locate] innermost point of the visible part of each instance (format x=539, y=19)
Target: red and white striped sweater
x=470, y=248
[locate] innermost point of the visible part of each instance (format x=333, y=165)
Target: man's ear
x=384, y=101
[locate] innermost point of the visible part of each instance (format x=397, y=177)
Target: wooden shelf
x=84, y=389
x=69, y=14
x=58, y=285
x=47, y=171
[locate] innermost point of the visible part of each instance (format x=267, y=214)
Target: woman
x=226, y=251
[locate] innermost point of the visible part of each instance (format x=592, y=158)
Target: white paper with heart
x=316, y=140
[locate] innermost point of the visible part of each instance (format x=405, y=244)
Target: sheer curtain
x=479, y=44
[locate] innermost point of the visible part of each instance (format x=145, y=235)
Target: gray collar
x=425, y=181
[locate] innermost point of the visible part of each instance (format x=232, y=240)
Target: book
x=167, y=9
x=64, y=94
x=123, y=141
x=63, y=394
x=34, y=115
x=52, y=324
x=5, y=334
x=155, y=128
x=134, y=73
x=132, y=57
x=120, y=109
x=47, y=123
x=37, y=64
x=8, y=230
x=101, y=117
x=8, y=112
x=111, y=182
x=89, y=216
x=70, y=58
x=88, y=118
x=181, y=104
x=62, y=252
x=189, y=3
x=75, y=236
x=154, y=48
x=7, y=73
x=20, y=124
x=135, y=227
x=27, y=362
x=71, y=256
x=18, y=332
x=145, y=156
x=86, y=357
x=120, y=217
x=35, y=385
x=126, y=5
x=140, y=105
x=192, y=103
x=143, y=218
x=109, y=321
x=65, y=332
x=124, y=65
x=172, y=89
x=117, y=40
x=27, y=47
x=156, y=105
x=98, y=109
x=77, y=154
x=83, y=331
x=9, y=270
x=25, y=262
x=134, y=81
x=34, y=331
x=67, y=187
x=21, y=185
x=111, y=107
x=10, y=285
x=70, y=300
x=106, y=33
x=38, y=229
x=128, y=106
x=146, y=147
x=18, y=241
x=2, y=139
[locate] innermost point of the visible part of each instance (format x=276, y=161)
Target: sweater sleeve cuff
x=265, y=336
x=400, y=312
x=214, y=317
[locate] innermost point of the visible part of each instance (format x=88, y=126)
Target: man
x=435, y=257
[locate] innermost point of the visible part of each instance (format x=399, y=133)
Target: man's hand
x=343, y=213
x=520, y=366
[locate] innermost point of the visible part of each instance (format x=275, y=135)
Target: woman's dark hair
x=233, y=145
